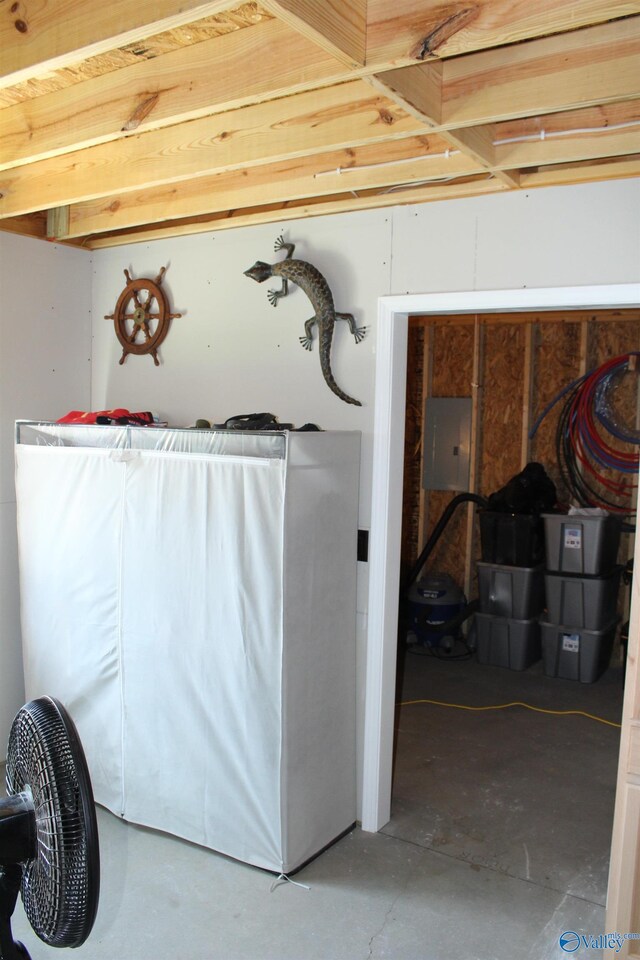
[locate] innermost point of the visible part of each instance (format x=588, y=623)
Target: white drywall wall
x=232, y=352
x=45, y=338
x=554, y=237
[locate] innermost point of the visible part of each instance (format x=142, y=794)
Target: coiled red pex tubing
x=597, y=473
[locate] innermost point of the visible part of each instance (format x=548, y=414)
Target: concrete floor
x=498, y=843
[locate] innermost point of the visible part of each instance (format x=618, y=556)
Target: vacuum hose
x=437, y=531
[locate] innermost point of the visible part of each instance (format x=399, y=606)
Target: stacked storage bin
x=511, y=587
x=582, y=582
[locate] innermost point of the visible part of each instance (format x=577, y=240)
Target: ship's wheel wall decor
x=142, y=316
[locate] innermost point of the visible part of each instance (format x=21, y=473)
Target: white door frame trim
x=386, y=506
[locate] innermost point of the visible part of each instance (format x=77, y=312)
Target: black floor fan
x=48, y=832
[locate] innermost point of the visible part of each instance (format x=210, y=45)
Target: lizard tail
x=331, y=383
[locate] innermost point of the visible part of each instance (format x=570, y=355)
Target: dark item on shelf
x=312, y=282
x=530, y=491
x=135, y=316
x=253, y=421
x=514, y=539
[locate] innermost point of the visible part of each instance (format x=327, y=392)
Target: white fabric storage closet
x=190, y=597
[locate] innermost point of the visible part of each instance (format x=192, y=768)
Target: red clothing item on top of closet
x=118, y=415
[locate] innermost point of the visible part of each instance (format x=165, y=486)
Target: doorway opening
x=509, y=789
x=385, y=537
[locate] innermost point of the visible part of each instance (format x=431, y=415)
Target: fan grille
x=59, y=886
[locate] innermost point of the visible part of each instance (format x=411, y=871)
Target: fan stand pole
x=10, y=878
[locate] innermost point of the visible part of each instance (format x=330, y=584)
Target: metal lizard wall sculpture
x=311, y=281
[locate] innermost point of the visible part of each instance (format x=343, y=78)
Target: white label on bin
x=571, y=642
x=572, y=538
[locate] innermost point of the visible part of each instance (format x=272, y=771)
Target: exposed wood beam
x=33, y=42
x=31, y=225
x=547, y=316
x=279, y=119
x=595, y=65
x=583, y=135
x=477, y=143
x=530, y=337
x=277, y=213
x=337, y=26
x=418, y=29
x=549, y=176
x=265, y=62
x=609, y=169
x=57, y=223
x=38, y=37
x=342, y=116
x=591, y=120
x=223, y=73
x=417, y=89
x=416, y=160
x=475, y=446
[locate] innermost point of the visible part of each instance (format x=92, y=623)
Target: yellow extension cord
x=516, y=703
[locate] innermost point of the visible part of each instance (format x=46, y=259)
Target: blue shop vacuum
x=435, y=607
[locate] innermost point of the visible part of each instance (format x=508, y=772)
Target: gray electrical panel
x=447, y=441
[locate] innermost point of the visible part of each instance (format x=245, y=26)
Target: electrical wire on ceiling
x=575, y=131
x=515, y=703
x=596, y=471
x=358, y=168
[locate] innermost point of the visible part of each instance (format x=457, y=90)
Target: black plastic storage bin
x=514, y=539
x=587, y=602
x=509, y=591
x=576, y=654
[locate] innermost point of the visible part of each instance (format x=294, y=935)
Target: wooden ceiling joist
x=606, y=131
x=182, y=112
x=318, y=206
x=338, y=26
x=404, y=31
x=38, y=38
x=216, y=75
x=569, y=173
x=407, y=161
x=417, y=89
x=342, y=116
x=582, y=68
x=269, y=61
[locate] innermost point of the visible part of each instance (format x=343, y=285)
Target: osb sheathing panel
x=451, y=377
x=607, y=340
x=502, y=397
x=556, y=364
x=215, y=26
x=414, y=429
